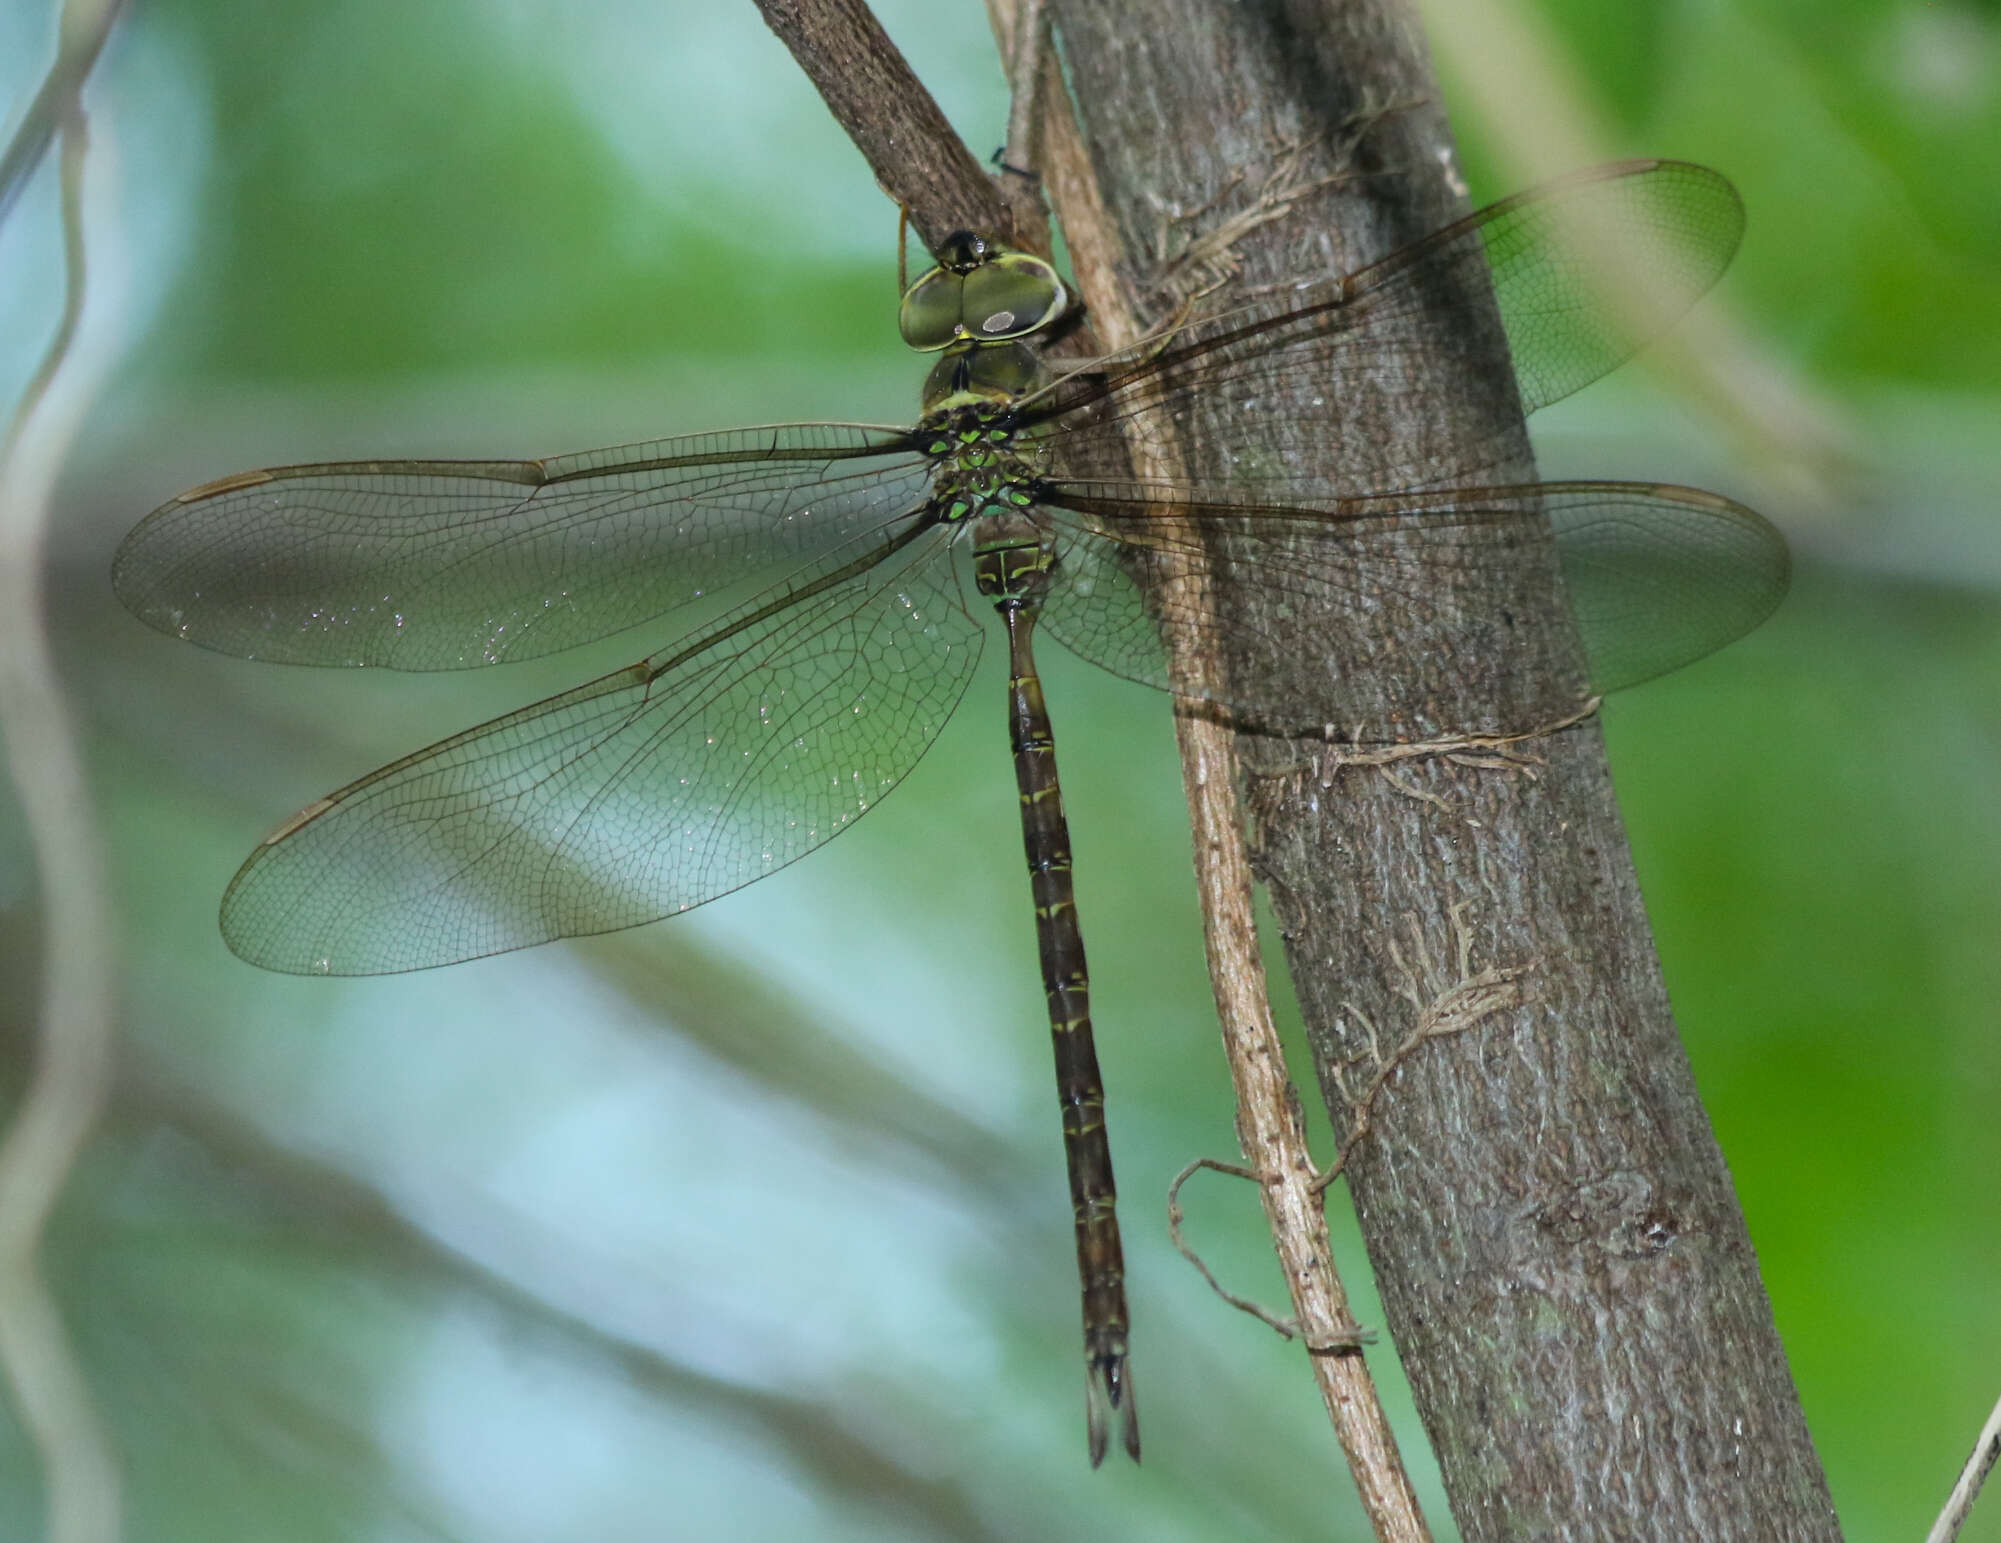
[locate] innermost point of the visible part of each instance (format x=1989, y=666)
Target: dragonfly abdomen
x=1011, y=565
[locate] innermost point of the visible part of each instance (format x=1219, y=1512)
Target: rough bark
x=1562, y=1258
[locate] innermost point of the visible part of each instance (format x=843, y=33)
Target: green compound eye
x=1010, y=295
x=980, y=293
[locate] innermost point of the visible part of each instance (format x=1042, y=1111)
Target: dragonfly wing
x=1584, y=270
x=1660, y=576
x=640, y=794
x=437, y=565
x=1657, y=576
x=1302, y=625
x=1589, y=268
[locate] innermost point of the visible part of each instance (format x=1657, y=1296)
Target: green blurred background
x=752, y=1225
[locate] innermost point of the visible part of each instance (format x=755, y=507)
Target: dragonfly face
x=733, y=750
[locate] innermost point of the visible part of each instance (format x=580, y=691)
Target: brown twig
x=1175, y=1217
x=1289, y=1327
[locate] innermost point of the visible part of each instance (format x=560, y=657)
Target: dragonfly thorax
x=978, y=471
x=967, y=374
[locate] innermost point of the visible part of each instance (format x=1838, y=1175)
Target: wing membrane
x=1657, y=576
x=642, y=793
x=436, y=565
x=1590, y=268
x=1585, y=271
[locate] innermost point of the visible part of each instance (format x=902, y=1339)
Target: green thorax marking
x=979, y=471
x=982, y=477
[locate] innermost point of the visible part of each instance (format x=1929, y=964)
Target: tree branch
x=1562, y=1260
x=868, y=86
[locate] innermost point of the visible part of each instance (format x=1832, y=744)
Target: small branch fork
x=1442, y=1008
x=1351, y=1339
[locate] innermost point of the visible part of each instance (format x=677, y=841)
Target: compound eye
x=980, y=292
x=929, y=317
x=1011, y=296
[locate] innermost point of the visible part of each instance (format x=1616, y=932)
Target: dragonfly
x=846, y=566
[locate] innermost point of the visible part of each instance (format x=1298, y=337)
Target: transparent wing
x=643, y=793
x=1585, y=271
x=1590, y=268
x=438, y=565
x=1657, y=577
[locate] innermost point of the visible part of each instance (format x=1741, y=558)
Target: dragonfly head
x=980, y=292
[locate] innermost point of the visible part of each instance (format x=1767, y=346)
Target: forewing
x=1589, y=269
x=437, y=565
x=1657, y=576
x=640, y=794
x=1584, y=270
